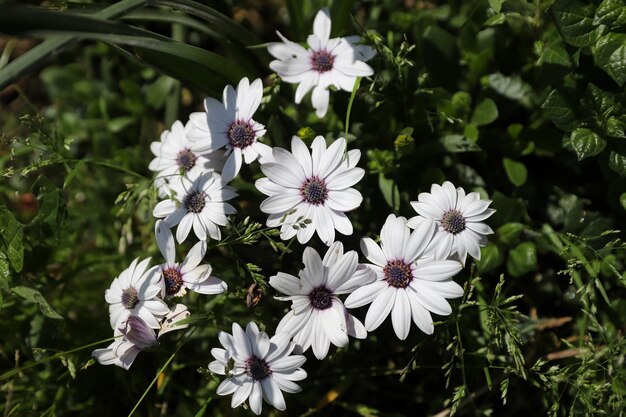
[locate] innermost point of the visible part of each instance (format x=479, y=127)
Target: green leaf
x=561, y=106
x=496, y=20
x=390, y=191
x=610, y=55
x=611, y=13
x=38, y=55
x=508, y=233
x=586, y=143
x=491, y=257
x=486, y=112
x=510, y=87
x=615, y=128
x=622, y=200
x=522, y=259
x=617, y=162
x=515, y=171
x=118, y=124
x=552, y=53
x=459, y=143
x=496, y=5
x=12, y=233
x=5, y=274
x=575, y=22
x=33, y=296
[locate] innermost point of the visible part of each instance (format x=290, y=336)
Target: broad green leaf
x=496, y=20
x=5, y=274
x=486, y=112
x=611, y=13
x=603, y=103
x=522, y=259
x=491, y=257
x=561, y=106
x=12, y=233
x=508, y=233
x=118, y=124
x=552, y=53
x=37, y=56
x=441, y=55
x=610, y=55
x=515, y=171
x=508, y=209
x=33, y=296
x=496, y=5
x=390, y=191
x=574, y=21
x=586, y=143
x=459, y=143
x=615, y=128
x=617, y=162
x=511, y=87
x=622, y=200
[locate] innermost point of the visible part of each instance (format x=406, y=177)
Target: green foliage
x=522, y=102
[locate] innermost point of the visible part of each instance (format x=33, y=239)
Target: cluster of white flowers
x=309, y=191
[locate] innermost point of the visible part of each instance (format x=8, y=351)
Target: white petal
x=303, y=155
x=401, y=315
x=273, y=394
x=321, y=25
x=366, y=294
x=419, y=239
x=286, y=284
x=394, y=236
x=232, y=165
x=380, y=308
x=344, y=200
x=434, y=270
x=242, y=394
x=248, y=98
x=280, y=203
x=182, y=231
x=280, y=174
x=244, y=350
x=165, y=241
x=421, y=316
x=319, y=99
x=324, y=225
x=373, y=252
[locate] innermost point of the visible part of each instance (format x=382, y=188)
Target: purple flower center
x=173, y=280
x=322, y=61
x=129, y=298
x=195, y=201
x=240, y=134
x=314, y=191
x=398, y=273
x=321, y=298
x=453, y=221
x=186, y=160
x=257, y=368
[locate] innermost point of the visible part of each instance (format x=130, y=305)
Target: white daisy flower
x=337, y=62
x=136, y=291
x=407, y=284
x=311, y=185
x=317, y=317
x=188, y=275
x=176, y=156
x=200, y=203
x=257, y=367
x=459, y=219
x=134, y=336
x=229, y=124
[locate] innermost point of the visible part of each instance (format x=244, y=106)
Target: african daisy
x=459, y=219
x=229, y=124
x=407, y=284
x=337, y=62
x=317, y=317
x=312, y=185
x=257, y=367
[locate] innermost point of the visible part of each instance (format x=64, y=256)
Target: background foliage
x=521, y=101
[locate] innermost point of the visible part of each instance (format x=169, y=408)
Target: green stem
x=352, y=96
x=51, y=358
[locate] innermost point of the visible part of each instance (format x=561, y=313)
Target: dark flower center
x=321, y=298
x=453, y=222
x=398, y=273
x=186, y=160
x=129, y=298
x=240, y=134
x=195, y=201
x=322, y=61
x=173, y=280
x=257, y=368
x=314, y=191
